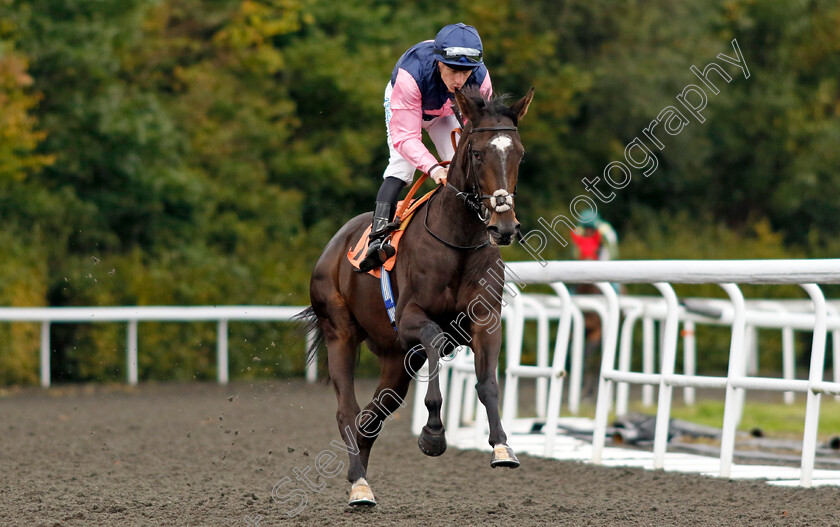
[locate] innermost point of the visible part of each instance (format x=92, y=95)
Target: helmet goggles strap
x=456, y=53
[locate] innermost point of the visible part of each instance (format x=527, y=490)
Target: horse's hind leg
x=389, y=395
x=342, y=337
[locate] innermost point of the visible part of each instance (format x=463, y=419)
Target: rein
x=441, y=240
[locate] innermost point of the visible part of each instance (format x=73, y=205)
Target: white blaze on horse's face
x=501, y=200
x=503, y=144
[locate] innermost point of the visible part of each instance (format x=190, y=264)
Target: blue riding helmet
x=459, y=45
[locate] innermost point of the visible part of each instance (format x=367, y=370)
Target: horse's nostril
x=493, y=229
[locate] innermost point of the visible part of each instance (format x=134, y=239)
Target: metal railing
x=46, y=316
x=806, y=273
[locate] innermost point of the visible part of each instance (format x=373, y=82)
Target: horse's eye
x=476, y=155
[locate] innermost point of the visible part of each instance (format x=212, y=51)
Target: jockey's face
x=454, y=79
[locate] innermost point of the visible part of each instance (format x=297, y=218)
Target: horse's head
x=488, y=157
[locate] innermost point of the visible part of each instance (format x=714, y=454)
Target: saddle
x=405, y=211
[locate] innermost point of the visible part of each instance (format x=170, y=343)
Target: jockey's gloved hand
x=439, y=174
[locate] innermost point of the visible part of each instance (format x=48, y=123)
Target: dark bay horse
x=447, y=283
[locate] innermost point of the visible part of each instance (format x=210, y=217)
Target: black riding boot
x=378, y=251
x=386, y=202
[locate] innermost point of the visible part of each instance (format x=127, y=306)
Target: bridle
x=474, y=201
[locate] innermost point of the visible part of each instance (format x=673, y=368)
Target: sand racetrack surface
x=202, y=454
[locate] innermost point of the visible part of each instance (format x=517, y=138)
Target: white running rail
x=132, y=315
x=806, y=273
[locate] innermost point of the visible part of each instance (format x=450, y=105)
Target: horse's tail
x=315, y=337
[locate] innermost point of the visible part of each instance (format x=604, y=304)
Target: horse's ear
x=520, y=107
x=467, y=107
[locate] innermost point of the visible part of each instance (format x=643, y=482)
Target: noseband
x=500, y=201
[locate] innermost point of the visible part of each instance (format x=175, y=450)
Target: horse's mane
x=495, y=105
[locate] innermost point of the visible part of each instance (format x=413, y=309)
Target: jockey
x=420, y=97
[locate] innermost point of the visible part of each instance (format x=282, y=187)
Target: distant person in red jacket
x=594, y=238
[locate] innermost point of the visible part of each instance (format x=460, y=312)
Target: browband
x=494, y=129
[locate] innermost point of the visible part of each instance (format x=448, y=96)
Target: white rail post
x=751, y=345
x=444, y=372
x=788, y=349
x=648, y=359
x=576, y=375
x=470, y=396
x=542, y=356
x=788, y=361
x=455, y=394
x=812, y=410
x=602, y=406
x=514, y=335
x=732, y=406
x=835, y=349
x=555, y=387
x=622, y=390
x=45, y=354
x=835, y=343
x=222, y=351
x=689, y=358
x=669, y=359
x=131, y=359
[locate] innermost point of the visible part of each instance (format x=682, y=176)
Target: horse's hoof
x=361, y=495
x=432, y=444
x=503, y=456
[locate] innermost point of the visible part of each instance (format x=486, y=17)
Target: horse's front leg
x=415, y=326
x=486, y=345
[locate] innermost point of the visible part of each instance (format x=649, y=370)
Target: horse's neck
x=458, y=167
x=450, y=219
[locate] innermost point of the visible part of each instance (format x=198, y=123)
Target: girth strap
x=388, y=297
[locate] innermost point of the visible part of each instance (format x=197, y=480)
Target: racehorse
x=447, y=282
